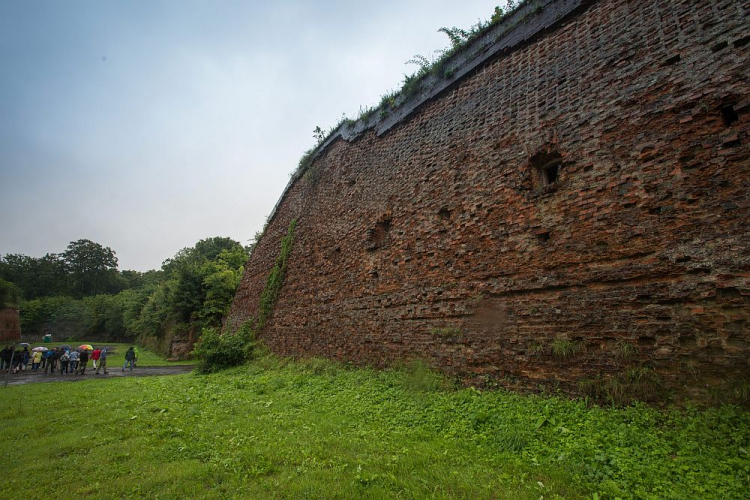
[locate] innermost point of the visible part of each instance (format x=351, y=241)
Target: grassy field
x=279, y=429
x=145, y=357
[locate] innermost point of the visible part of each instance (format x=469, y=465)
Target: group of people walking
x=66, y=360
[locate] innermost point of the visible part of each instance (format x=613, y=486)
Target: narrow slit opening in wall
x=549, y=174
x=729, y=115
x=547, y=166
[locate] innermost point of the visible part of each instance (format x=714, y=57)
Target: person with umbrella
x=25, y=357
x=36, y=358
x=95, y=358
x=52, y=356
x=64, y=361
x=83, y=360
x=74, y=355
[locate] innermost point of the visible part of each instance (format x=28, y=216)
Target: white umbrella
x=40, y=348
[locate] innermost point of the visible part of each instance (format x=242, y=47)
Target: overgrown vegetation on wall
x=433, y=66
x=275, y=278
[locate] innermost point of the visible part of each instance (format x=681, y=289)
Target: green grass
x=145, y=356
x=279, y=429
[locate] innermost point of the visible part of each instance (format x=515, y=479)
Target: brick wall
x=443, y=238
x=10, y=325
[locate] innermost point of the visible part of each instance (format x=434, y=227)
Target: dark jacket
x=84, y=358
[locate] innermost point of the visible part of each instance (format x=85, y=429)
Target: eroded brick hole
x=543, y=236
x=547, y=166
x=729, y=115
x=444, y=213
x=687, y=342
x=719, y=46
x=378, y=236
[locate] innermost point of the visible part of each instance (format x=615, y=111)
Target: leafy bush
x=217, y=351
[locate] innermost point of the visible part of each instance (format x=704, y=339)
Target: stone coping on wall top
x=523, y=25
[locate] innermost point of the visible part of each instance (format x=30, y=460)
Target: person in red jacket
x=95, y=356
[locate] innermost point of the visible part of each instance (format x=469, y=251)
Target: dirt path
x=30, y=377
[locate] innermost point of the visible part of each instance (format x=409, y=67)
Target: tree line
x=81, y=293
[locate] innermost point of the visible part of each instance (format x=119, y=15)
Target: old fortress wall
x=572, y=202
x=10, y=325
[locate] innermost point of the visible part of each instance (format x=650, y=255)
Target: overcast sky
x=147, y=125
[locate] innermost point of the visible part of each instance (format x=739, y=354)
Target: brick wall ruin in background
x=571, y=206
x=10, y=325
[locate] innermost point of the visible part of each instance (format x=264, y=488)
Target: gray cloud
x=146, y=126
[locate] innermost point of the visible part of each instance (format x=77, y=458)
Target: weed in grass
x=317, y=366
x=512, y=440
x=420, y=378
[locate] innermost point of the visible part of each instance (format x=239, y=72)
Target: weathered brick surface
x=437, y=240
x=10, y=325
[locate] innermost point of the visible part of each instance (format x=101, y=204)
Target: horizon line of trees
x=81, y=293
x=84, y=269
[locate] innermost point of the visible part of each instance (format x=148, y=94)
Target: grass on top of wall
x=314, y=429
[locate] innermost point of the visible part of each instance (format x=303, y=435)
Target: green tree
x=220, y=280
x=42, y=277
x=9, y=294
x=92, y=268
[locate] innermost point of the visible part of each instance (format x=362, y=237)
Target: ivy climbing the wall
x=275, y=279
